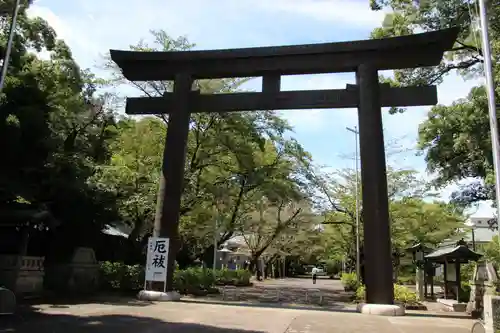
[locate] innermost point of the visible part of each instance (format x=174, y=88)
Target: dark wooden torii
x=365, y=57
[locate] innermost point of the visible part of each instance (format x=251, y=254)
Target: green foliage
x=53, y=140
x=198, y=278
x=464, y=292
x=404, y=295
x=193, y=279
x=492, y=252
x=238, y=277
x=118, y=276
x=401, y=294
x=350, y=281
x=466, y=272
x=333, y=267
x=412, y=218
x=455, y=139
x=407, y=280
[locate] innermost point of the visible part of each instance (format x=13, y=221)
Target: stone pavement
x=191, y=317
x=291, y=290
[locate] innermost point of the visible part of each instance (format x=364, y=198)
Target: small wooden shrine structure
x=451, y=257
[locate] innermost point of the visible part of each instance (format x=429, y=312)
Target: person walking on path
x=314, y=274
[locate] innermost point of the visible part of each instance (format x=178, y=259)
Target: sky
x=92, y=27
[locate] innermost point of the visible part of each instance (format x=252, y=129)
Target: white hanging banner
x=157, y=259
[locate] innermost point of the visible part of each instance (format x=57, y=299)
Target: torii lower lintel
x=284, y=100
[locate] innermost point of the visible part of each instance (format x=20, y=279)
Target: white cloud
x=338, y=11
x=74, y=36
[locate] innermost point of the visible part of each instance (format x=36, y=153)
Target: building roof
x=481, y=235
x=453, y=253
x=116, y=229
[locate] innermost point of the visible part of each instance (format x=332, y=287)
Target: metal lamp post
x=356, y=134
x=418, y=252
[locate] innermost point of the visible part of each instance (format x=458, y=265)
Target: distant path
x=302, y=283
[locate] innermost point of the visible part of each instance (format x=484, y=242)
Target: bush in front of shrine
x=118, y=276
x=199, y=280
x=349, y=281
x=194, y=280
x=401, y=295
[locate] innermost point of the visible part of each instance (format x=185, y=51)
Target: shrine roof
x=425, y=49
x=451, y=254
x=420, y=246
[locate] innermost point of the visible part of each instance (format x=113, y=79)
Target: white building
x=234, y=254
x=482, y=230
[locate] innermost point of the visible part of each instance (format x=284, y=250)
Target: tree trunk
x=255, y=268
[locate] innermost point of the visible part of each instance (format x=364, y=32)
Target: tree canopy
x=455, y=138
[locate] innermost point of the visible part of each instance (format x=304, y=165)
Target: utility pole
x=12, y=32
x=490, y=90
x=358, y=264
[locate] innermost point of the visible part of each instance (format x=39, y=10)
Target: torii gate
x=365, y=57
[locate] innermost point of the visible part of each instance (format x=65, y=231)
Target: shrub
x=464, y=293
x=239, y=277
x=332, y=267
x=193, y=280
x=117, y=275
x=406, y=280
x=401, y=294
x=361, y=293
x=350, y=281
x=404, y=295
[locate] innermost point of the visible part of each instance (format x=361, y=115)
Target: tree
x=337, y=201
x=225, y=165
x=53, y=140
x=414, y=221
x=492, y=251
x=408, y=17
x=458, y=145
x=412, y=218
x=271, y=222
x=455, y=139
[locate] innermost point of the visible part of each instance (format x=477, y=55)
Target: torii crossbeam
x=365, y=57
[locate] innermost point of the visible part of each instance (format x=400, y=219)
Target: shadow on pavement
x=57, y=323
x=330, y=308
x=61, y=302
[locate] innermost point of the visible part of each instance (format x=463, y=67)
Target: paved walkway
x=326, y=292
x=187, y=317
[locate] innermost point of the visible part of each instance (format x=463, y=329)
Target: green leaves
x=455, y=138
x=413, y=217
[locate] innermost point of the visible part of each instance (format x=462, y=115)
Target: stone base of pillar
x=381, y=309
x=158, y=296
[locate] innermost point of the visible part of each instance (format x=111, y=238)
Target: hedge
x=195, y=280
x=401, y=294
